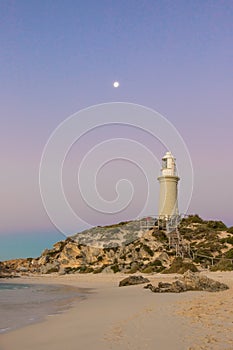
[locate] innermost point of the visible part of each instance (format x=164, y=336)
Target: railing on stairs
x=170, y=226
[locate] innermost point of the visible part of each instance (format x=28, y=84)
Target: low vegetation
x=180, y=266
x=230, y=230
x=222, y=265
x=210, y=242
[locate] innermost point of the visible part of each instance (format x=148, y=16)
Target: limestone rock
x=132, y=280
x=5, y=272
x=175, y=287
x=189, y=281
x=194, y=281
x=62, y=271
x=129, y=247
x=50, y=268
x=107, y=269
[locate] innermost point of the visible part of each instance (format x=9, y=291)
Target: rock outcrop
x=5, y=272
x=17, y=267
x=127, y=247
x=132, y=280
x=137, y=253
x=189, y=281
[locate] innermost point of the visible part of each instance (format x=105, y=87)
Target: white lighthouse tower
x=168, y=197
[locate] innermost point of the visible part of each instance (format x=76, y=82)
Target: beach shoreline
x=130, y=317
x=22, y=304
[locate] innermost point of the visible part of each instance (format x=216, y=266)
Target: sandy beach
x=130, y=317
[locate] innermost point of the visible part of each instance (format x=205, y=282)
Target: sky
x=60, y=57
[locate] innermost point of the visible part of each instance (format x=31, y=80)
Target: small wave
x=23, y=304
x=13, y=286
x=3, y=330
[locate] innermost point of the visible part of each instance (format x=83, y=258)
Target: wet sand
x=23, y=304
x=131, y=318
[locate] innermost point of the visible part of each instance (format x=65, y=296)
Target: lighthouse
x=168, y=196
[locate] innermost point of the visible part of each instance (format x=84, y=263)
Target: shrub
x=179, y=266
x=203, y=251
x=148, y=250
x=115, y=268
x=230, y=229
x=122, y=223
x=153, y=266
x=212, y=246
x=85, y=269
x=156, y=262
x=187, y=233
x=160, y=236
x=123, y=257
x=222, y=265
x=216, y=225
x=228, y=240
x=133, y=269
x=229, y=254
x=99, y=269
x=148, y=269
x=69, y=269
x=115, y=231
x=191, y=219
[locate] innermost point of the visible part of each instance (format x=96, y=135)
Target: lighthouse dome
x=169, y=165
x=168, y=155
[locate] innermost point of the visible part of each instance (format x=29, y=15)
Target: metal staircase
x=170, y=226
x=176, y=242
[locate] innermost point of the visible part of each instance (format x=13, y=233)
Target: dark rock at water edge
x=132, y=280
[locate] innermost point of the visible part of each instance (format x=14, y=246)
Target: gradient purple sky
x=57, y=57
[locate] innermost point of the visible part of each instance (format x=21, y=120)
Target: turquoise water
x=22, y=304
x=26, y=245
x=13, y=286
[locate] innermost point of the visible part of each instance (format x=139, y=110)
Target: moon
x=116, y=84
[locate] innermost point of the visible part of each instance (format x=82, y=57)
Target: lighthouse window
x=164, y=163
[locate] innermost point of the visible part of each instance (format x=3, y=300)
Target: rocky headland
x=127, y=247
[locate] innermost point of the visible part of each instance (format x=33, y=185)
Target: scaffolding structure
x=170, y=226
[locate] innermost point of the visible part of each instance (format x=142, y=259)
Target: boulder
x=132, y=280
x=175, y=287
x=50, y=268
x=22, y=269
x=195, y=281
x=164, y=258
x=62, y=271
x=107, y=269
x=189, y=281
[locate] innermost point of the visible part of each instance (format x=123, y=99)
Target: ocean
x=27, y=245
x=22, y=304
